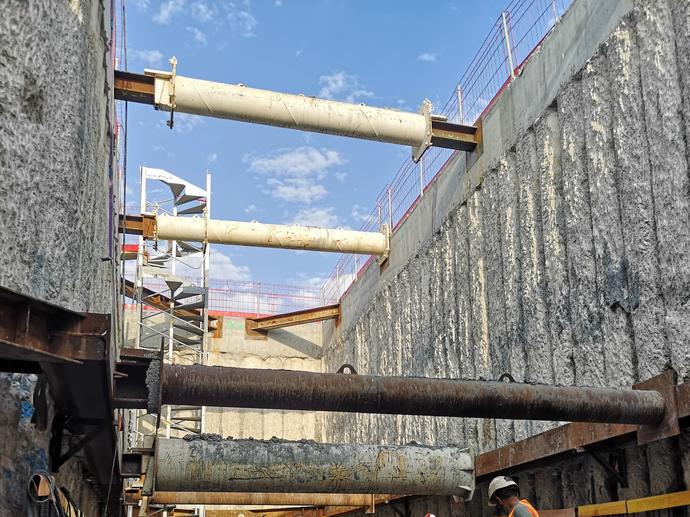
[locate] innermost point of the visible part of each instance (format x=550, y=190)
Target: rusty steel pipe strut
x=208, y=463
x=308, y=391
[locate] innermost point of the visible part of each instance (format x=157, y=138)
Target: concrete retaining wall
x=561, y=256
x=54, y=202
x=296, y=348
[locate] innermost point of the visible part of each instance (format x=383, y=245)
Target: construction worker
x=504, y=494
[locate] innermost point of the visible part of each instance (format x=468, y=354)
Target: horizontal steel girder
x=265, y=498
x=307, y=391
x=211, y=464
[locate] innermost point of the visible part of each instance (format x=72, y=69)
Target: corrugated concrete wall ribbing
x=54, y=149
x=561, y=256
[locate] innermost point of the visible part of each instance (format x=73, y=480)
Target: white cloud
x=199, y=36
x=360, y=214
x=243, y=22
x=167, y=10
x=343, y=86
x=184, y=123
x=221, y=267
x=297, y=162
x=150, y=57
x=340, y=176
x=293, y=174
x=142, y=5
x=428, y=57
x=321, y=217
x=202, y=12
x=296, y=190
x=309, y=281
x=211, y=157
x=250, y=209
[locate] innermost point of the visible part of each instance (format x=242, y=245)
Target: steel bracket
x=424, y=109
x=60, y=424
x=383, y=259
x=665, y=384
x=405, y=512
x=615, y=466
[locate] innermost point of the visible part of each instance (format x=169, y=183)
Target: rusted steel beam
x=561, y=440
x=308, y=391
x=33, y=331
x=134, y=87
x=149, y=297
x=211, y=464
x=139, y=224
x=257, y=327
x=564, y=439
x=264, y=498
x=454, y=136
x=289, y=512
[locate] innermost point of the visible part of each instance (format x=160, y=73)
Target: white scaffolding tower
x=181, y=328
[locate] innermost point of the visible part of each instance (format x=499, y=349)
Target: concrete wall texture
x=54, y=151
x=296, y=348
x=561, y=256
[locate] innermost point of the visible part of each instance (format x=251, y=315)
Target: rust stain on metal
x=309, y=391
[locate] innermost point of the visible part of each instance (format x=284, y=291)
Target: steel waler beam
x=258, y=234
x=309, y=391
x=175, y=93
x=217, y=465
x=265, y=498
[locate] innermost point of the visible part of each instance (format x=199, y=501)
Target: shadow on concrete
x=304, y=346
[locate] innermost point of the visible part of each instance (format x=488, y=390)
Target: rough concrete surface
x=295, y=348
x=54, y=150
x=570, y=263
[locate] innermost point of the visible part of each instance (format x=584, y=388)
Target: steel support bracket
x=383, y=258
x=424, y=109
x=140, y=224
x=665, y=384
x=615, y=466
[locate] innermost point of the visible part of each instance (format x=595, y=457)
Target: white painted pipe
x=239, y=102
x=271, y=235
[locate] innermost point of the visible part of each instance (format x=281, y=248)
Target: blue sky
x=390, y=54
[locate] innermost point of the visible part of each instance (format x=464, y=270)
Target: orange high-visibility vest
x=529, y=507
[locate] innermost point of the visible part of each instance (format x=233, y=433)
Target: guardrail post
x=390, y=208
x=421, y=176
x=461, y=114
x=506, y=39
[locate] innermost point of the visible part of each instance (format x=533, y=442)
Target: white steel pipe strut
x=272, y=235
x=174, y=92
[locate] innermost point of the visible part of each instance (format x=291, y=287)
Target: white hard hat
x=429, y=515
x=497, y=484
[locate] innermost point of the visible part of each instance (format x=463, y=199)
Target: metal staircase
x=172, y=310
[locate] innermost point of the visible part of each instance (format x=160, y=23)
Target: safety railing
x=517, y=32
x=252, y=299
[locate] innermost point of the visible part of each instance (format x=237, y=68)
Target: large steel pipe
x=264, y=498
x=308, y=391
x=271, y=235
x=216, y=465
x=242, y=103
